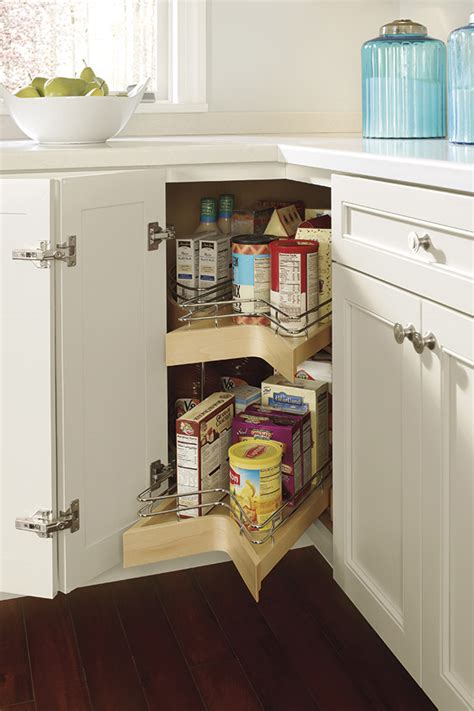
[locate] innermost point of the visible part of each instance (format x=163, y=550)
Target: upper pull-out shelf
x=197, y=344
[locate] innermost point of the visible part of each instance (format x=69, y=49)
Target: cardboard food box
x=245, y=396
x=187, y=267
x=279, y=428
x=301, y=415
x=284, y=222
x=278, y=392
x=203, y=438
x=275, y=204
x=215, y=260
x=319, y=229
x=251, y=221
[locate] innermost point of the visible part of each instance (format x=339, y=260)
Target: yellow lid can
x=255, y=454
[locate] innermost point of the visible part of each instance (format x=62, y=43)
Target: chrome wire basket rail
x=279, y=318
x=199, y=294
x=257, y=534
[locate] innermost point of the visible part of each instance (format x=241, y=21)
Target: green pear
x=95, y=92
x=38, y=83
x=64, y=86
x=103, y=86
x=28, y=92
x=87, y=73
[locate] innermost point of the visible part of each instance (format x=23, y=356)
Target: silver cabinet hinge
x=156, y=234
x=65, y=252
x=44, y=524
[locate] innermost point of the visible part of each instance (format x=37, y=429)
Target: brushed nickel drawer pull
x=421, y=342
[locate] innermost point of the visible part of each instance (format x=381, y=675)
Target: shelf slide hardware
x=45, y=524
x=44, y=254
x=156, y=234
x=415, y=242
x=421, y=342
x=401, y=332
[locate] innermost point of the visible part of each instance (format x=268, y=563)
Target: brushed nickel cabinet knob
x=415, y=242
x=421, y=342
x=401, y=332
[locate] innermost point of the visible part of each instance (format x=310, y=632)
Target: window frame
x=181, y=26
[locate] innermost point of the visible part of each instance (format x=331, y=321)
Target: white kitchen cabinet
x=376, y=454
x=83, y=376
x=448, y=508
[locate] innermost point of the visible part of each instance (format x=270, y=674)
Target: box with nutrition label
x=294, y=288
x=203, y=438
x=275, y=427
x=302, y=416
x=251, y=277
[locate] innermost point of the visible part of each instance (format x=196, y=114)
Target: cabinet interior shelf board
x=198, y=344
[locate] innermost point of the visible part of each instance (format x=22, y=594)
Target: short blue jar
x=461, y=84
x=404, y=83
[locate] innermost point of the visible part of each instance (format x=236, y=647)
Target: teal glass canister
x=461, y=84
x=404, y=83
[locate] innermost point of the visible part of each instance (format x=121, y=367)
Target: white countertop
x=432, y=162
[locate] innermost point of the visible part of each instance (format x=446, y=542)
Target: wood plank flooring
x=194, y=640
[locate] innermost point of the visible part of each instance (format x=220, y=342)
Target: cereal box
x=203, y=438
x=278, y=392
x=279, y=428
x=303, y=417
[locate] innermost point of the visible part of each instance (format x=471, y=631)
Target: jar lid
x=403, y=27
x=252, y=239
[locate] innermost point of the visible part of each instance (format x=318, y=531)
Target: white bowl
x=73, y=119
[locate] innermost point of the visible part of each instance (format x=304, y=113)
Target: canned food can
x=255, y=481
x=251, y=276
x=294, y=288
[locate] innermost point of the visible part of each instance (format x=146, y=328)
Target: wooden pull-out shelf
x=163, y=537
x=197, y=343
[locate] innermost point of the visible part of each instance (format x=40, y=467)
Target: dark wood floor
x=197, y=640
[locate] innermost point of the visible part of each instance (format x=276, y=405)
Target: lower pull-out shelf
x=151, y=540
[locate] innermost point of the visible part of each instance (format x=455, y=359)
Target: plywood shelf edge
x=190, y=344
x=163, y=538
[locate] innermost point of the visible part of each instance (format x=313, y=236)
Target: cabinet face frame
x=387, y=590
x=448, y=508
x=27, y=387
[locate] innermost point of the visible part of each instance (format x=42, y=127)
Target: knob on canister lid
x=403, y=27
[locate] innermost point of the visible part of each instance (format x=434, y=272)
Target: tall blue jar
x=404, y=83
x=461, y=84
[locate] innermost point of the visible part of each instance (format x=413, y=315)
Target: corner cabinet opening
x=205, y=345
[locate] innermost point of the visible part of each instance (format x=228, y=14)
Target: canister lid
x=403, y=27
x=255, y=453
x=252, y=239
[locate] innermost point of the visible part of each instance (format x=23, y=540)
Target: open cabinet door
x=27, y=411
x=111, y=323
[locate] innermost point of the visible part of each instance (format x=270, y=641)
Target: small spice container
x=295, y=287
x=251, y=276
x=255, y=480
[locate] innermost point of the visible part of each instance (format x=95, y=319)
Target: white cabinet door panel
x=448, y=509
x=27, y=410
x=377, y=479
x=111, y=356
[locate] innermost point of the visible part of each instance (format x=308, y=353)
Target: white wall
x=304, y=55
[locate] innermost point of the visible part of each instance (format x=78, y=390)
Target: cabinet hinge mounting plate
x=45, y=524
x=41, y=256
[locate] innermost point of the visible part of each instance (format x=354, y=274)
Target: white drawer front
x=419, y=239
